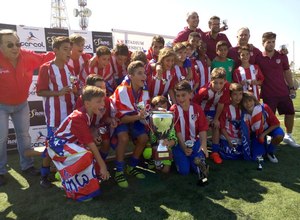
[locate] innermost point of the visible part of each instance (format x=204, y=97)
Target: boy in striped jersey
x=230, y=120
x=58, y=90
x=191, y=127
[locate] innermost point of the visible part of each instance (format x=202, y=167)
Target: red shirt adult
x=15, y=81
x=273, y=70
x=234, y=54
x=211, y=43
x=184, y=34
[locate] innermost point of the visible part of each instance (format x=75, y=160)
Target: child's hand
x=205, y=151
x=113, y=123
x=254, y=82
x=188, y=151
x=65, y=90
x=159, y=72
x=104, y=174
x=142, y=114
x=243, y=82
x=74, y=89
x=215, y=123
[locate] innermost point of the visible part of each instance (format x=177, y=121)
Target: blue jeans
x=20, y=118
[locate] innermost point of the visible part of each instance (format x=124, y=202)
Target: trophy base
x=162, y=155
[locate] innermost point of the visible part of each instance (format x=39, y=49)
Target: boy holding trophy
x=191, y=127
x=129, y=103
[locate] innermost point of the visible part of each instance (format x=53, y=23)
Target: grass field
x=236, y=190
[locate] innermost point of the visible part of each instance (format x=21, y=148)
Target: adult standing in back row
x=192, y=19
x=278, y=87
x=16, y=70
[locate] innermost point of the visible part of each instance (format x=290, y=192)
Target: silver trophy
x=235, y=145
x=189, y=143
x=161, y=123
x=202, y=171
x=73, y=80
x=225, y=24
x=260, y=161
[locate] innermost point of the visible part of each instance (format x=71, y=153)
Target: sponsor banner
x=102, y=39
x=36, y=112
x=38, y=135
x=32, y=38
x=137, y=41
x=32, y=90
x=8, y=26
x=88, y=47
x=52, y=33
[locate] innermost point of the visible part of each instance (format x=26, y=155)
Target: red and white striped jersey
x=208, y=99
x=181, y=73
x=230, y=120
x=125, y=102
x=189, y=123
x=76, y=128
x=252, y=73
x=161, y=86
x=52, y=78
x=106, y=73
x=203, y=70
x=260, y=120
x=80, y=67
x=118, y=71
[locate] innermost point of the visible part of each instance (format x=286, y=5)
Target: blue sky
x=168, y=17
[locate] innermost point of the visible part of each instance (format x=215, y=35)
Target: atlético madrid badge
x=278, y=61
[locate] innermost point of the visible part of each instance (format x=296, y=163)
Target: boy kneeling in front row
x=191, y=129
x=74, y=152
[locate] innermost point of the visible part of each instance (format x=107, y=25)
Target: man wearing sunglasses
x=16, y=70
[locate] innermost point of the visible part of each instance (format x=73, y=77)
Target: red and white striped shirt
x=52, y=78
x=203, y=70
x=125, y=102
x=161, y=86
x=209, y=99
x=76, y=128
x=230, y=121
x=189, y=123
x=181, y=73
x=252, y=73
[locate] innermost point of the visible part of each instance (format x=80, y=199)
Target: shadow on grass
x=158, y=196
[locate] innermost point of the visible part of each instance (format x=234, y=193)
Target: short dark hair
x=121, y=49
x=158, y=39
x=90, y=92
x=91, y=79
x=218, y=73
x=213, y=18
x=102, y=50
x=267, y=36
x=221, y=43
x=243, y=48
x=235, y=87
x=58, y=41
x=194, y=34
x=249, y=96
x=159, y=100
x=133, y=66
x=183, y=85
x=138, y=55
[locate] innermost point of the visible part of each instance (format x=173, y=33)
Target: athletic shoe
x=216, y=158
x=2, y=180
x=45, y=183
x=120, y=179
x=150, y=164
x=272, y=158
x=135, y=172
x=288, y=139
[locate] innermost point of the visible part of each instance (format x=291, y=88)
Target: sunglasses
x=11, y=45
